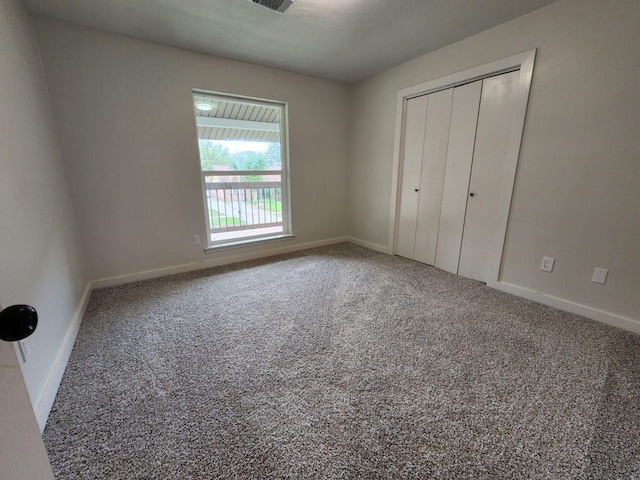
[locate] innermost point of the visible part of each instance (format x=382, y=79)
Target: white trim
x=504, y=65
x=239, y=173
x=237, y=97
x=144, y=275
x=523, y=62
x=601, y=316
x=270, y=238
x=396, y=177
x=520, y=104
x=369, y=245
x=60, y=364
x=215, y=122
x=287, y=223
x=189, y=267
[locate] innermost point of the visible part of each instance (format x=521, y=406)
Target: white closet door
x=462, y=135
x=492, y=135
x=434, y=159
x=414, y=129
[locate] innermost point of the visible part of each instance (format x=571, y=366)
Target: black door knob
x=472, y=194
x=416, y=189
x=17, y=322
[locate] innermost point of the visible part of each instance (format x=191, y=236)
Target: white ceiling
x=344, y=40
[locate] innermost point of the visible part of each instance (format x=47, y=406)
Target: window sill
x=248, y=243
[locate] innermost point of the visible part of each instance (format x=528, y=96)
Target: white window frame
x=287, y=231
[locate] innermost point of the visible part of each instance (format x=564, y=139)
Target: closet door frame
x=522, y=62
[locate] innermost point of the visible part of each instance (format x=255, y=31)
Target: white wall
x=125, y=116
x=576, y=196
x=40, y=252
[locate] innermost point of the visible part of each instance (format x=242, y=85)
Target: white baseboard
x=609, y=318
x=369, y=245
x=60, y=364
x=215, y=262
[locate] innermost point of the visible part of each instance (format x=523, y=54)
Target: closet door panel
x=492, y=135
x=462, y=135
x=432, y=177
x=414, y=131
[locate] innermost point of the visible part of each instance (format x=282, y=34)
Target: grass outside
x=219, y=220
x=216, y=220
x=274, y=206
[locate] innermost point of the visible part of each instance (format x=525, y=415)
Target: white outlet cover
x=599, y=275
x=547, y=264
x=196, y=240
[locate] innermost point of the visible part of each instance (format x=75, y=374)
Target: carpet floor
x=341, y=363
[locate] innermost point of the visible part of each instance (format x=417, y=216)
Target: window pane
x=243, y=202
x=226, y=155
x=242, y=166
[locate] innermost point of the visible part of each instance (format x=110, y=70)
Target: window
x=243, y=164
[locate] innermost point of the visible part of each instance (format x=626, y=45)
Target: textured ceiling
x=345, y=40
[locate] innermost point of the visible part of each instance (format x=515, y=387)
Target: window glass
x=243, y=167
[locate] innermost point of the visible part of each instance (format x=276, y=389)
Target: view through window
x=243, y=167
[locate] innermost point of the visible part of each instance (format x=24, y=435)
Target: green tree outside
x=214, y=154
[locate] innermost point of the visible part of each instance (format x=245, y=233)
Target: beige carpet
x=342, y=363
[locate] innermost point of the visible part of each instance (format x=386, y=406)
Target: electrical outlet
x=25, y=350
x=547, y=264
x=599, y=275
x=196, y=240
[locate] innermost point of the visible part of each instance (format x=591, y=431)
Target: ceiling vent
x=275, y=5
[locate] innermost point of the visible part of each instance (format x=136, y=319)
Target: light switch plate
x=196, y=240
x=547, y=264
x=599, y=275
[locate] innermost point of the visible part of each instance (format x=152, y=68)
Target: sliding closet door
x=414, y=128
x=462, y=134
x=425, y=155
x=434, y=158
x=454, y=156
x=492, y=136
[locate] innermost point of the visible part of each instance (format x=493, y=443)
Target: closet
x=453, y=157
